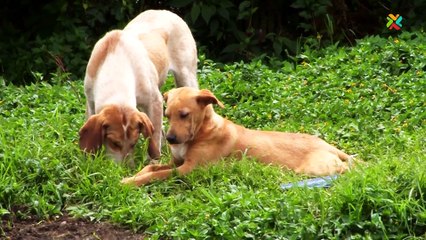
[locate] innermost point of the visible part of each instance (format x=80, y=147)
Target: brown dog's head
x=186, y=110
x=118, y=129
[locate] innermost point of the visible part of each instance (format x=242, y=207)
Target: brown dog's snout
x=171, y=138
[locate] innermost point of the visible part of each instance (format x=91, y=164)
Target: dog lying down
x=198, y=135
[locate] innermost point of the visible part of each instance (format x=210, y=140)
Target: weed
x=368, y=99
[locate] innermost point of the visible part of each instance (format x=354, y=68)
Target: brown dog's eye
x=183, y=115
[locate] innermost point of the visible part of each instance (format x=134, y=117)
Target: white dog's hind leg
x=185, y=77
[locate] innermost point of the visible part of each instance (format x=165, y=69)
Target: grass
x=368, y=100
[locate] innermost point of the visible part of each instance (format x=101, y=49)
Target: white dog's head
x=118, y=129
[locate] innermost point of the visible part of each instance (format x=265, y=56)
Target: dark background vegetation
x=45, y=37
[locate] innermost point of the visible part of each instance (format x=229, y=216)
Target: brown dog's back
x=303, y=153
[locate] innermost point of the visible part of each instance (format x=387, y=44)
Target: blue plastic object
x=321, y=182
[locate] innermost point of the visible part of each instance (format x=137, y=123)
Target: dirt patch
x=64, y=227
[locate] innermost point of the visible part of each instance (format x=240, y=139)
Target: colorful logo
x=394, y=22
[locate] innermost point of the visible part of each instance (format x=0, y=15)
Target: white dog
x=124, y=73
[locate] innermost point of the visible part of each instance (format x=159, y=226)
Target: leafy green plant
x=362, y=99
x=58, y=36
x=55, y=37
x=310, y=10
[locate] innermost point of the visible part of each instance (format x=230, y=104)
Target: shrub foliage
x=58, y=36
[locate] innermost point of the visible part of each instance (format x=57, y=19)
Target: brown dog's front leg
x=145, y=170
x=154, y=167
x=161, y=172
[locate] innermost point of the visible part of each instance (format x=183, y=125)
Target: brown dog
x=123, y=76
x=198, y=135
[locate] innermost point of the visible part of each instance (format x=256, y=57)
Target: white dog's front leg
x=155, y=113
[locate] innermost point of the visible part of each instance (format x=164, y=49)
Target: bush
x=58, y=36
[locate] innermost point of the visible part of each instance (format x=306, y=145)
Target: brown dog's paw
x=128, y=181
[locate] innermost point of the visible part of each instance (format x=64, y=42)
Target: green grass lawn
x=368, y=100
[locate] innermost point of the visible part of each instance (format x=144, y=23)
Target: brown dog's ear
x=147, y=129
x=165, y=96
x=91, y=134
x=205, y=97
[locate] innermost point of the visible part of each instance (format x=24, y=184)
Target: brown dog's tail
x=343, y=156
x=350, y=160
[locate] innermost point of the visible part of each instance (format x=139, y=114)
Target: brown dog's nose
x=171, y=138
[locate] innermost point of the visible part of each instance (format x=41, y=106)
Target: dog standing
x=198, y=135
x=124, y=73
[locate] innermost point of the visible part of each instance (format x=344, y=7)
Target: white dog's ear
x=147, y=130
x=205, y=97
x=91, y=134
x=145, y=125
